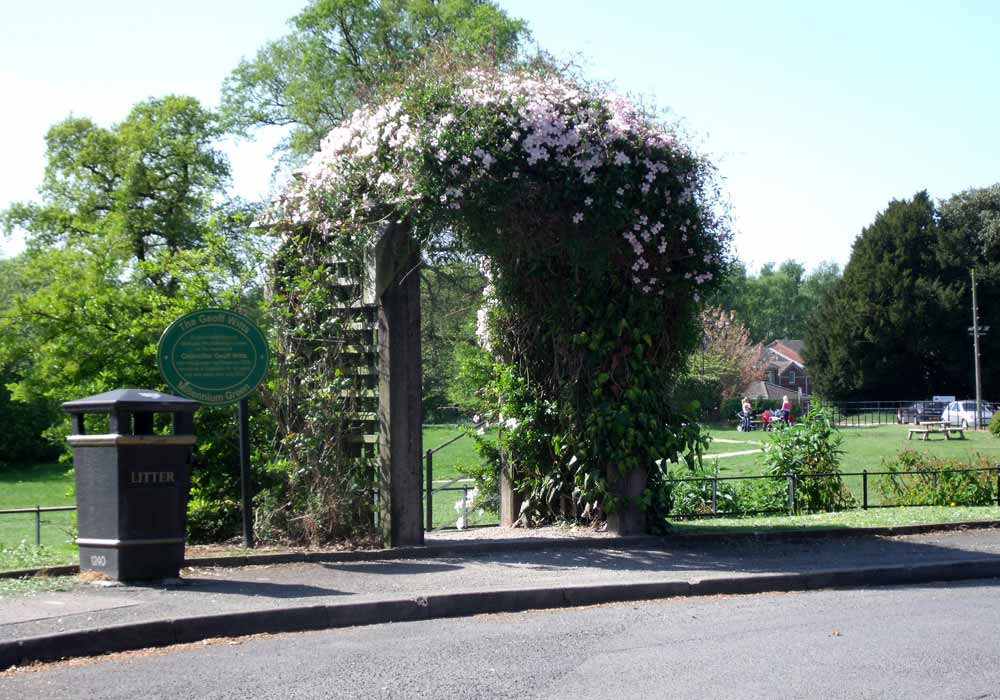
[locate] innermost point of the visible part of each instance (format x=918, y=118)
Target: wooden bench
x=928, y=428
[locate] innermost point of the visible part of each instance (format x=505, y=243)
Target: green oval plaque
x=213, y=356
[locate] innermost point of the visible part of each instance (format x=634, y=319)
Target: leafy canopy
x=342, y=54
x=126, y=235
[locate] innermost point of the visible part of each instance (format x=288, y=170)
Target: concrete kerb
x=530, y=545
x=161, y=633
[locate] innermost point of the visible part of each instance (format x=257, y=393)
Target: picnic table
x=927, y=428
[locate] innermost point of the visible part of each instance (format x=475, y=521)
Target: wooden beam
x=397, y=283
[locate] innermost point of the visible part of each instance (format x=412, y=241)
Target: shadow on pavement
x=267, y=589
x=393, y=568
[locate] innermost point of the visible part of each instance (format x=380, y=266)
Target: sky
x=816, y=115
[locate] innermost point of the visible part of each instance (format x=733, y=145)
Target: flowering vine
x=600, y=228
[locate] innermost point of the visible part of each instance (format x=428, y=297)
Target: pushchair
x=780, y=416
x=746, y=421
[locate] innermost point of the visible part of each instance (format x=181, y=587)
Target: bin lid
x=141, y=400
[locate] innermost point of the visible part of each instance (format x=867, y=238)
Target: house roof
x=764, y=390
x=789, y=349
x=780, y=364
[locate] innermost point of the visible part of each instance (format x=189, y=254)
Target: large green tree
x=895, y=326
x=131, y=229
x=341, y=54
x=777, y=302
x=127, y=234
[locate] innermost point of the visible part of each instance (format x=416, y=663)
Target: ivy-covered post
x=628, y=518
x=397, y=286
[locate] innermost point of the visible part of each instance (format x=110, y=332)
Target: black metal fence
x=38, y=512
x=793, y=505
x=465, y=489
x=875, y=413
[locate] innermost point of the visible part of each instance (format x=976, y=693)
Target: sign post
x=218, y=358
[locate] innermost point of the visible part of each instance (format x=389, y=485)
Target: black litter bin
x=132, y=484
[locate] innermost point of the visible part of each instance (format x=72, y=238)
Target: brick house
x=783, y=371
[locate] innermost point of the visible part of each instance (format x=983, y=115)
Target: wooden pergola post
x=397, y=286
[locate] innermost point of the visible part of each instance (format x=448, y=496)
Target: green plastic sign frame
x=213, y=356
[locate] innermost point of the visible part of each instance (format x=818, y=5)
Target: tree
x=777, y=302
x=21, y=440
x=725, y=364
x=126, y=236
x=131, y=231
x=343, y=53
x=894, y=327
x=450, y=292
x=975, y=217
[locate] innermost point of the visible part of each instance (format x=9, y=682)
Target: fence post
x=864, y=488
x=38, y=526
x=715, y=494
x=791, y=494
x=998, y=487
x=429, y=495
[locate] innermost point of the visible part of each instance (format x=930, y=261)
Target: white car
x=963, y=413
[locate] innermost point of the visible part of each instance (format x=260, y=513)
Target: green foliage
x=687, y=493
x=941, y=481
x=698, y=395
x=810, y=450
x=777, y=302
x=131, y=231
x=994, y=426
x=342, y=53
x=894, y=327
x=450, y=294
x=22, y=426
x=590, y=328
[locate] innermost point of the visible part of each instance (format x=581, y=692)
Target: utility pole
x=976, y=332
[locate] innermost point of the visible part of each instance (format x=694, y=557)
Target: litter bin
x=132, y=483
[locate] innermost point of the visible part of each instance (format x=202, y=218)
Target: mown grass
x=27, y=487
x=881, y=517
x=864, y=448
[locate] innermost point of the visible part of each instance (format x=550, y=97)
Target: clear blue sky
x=816, y=114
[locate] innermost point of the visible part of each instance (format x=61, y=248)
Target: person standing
x=746, y=415
x=786, y=409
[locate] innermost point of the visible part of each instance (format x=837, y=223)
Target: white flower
x=577, y=217
x=588, y=201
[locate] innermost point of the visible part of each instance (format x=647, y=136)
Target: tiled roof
x=790, y=349
x=766, y=390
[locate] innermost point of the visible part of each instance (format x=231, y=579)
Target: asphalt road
x=936, y=641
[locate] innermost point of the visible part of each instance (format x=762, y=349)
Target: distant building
x=784, y=372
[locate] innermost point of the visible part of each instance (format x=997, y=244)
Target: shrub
x=810, y=450
x=995, y=424
x=941, y=482
x=691, y=498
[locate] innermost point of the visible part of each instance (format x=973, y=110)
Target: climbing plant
x=598, y=229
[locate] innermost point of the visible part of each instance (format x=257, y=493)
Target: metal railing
x=37, y=511
x=793, y=480
x=874, y=413
x=429, y=489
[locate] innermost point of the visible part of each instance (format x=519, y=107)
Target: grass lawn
x=446, y=465
x=881, y=517
x=864, y=448
x=26, y=487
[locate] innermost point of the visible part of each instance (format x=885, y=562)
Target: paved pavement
x=215, y=601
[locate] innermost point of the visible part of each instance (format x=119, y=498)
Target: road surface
x=935, y=641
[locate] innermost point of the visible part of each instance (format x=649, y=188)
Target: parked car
x=963, y=413
x=920, y=411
